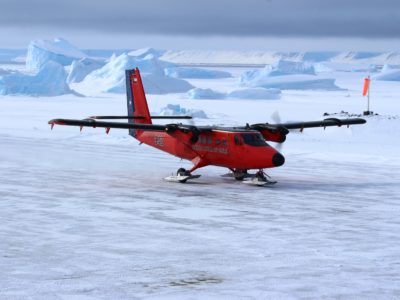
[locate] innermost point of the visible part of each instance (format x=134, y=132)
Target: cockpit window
x=253, y=139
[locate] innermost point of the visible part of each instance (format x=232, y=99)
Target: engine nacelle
x=273, y=135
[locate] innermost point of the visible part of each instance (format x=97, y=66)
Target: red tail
x=137, y=103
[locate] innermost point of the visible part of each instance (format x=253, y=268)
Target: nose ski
x=181, y=176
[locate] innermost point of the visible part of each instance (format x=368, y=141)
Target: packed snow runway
x=96, y=222
x=88, y=215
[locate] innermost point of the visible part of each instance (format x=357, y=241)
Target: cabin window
x=253, y=139
x=209, y=140
x=218, y=141
x=237, y=140
x=224, y=142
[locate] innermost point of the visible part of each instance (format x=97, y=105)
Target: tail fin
x=137, y=103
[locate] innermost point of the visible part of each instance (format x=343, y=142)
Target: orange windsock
x=366, y=86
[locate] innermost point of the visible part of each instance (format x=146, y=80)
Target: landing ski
x=181, y=178
x=259, y=182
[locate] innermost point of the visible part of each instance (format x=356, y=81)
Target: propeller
x=276, y=117
x=185, y=128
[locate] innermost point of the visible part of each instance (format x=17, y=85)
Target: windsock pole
x=367, y=82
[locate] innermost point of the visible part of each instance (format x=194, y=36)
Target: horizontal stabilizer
x=140, y=117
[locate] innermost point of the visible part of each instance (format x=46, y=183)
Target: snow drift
x=57, y=50
x=50, y=80
x=177, y=110
x=111, y=77
x=186, y=72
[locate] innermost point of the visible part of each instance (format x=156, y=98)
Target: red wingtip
x=56, y=122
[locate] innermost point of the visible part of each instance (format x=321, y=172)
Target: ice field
x=89, y=216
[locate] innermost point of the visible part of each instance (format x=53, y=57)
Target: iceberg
x=50, y=80
x=284, y=67
x=198, y=93
x=177, y=110
x=111, y=77
x=161, y=84
x=57, y=50
x=295, y=82
x=255, y=93
x=186, y=72
x=287, y=75
x=322, y=68
x=81, y=68
x=143, y=52
x=280, y=68
x=388, y=73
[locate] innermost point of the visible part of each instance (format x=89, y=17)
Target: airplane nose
x=278, y=160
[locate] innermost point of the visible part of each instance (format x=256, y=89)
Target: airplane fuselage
x=233, y=149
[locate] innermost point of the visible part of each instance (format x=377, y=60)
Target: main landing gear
x=260, y=178
x=181, y=176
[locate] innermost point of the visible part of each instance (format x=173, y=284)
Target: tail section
x=137, y=103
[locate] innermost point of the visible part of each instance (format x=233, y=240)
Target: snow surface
x=57, y=50
x=187, y=72
x=50, y=80
x=88, y=216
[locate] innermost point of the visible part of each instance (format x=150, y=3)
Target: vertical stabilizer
x=136, y=98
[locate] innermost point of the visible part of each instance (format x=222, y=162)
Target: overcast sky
x=209, y=23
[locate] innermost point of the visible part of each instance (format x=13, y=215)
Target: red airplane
x=237, y=148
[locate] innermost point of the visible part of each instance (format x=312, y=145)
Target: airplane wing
x=277, y=132
x=324, y=123
x=284, y=127
x=118, y=125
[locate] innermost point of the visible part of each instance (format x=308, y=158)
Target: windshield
x=253, y=139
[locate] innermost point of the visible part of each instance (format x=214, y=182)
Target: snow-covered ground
x=88, y=216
